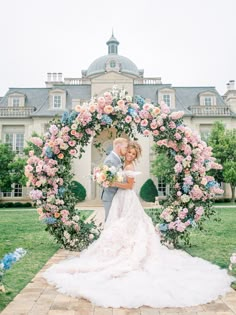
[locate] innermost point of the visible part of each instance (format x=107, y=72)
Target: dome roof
x=113, y=62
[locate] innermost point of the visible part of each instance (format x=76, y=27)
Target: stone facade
x=27, y=110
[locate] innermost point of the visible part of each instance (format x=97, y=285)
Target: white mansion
x=25, y=110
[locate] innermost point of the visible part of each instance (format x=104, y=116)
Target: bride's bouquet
x=105, y=175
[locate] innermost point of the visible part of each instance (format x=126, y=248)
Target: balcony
x=16, y=112
x=148, y=81
x=76, y=81
x=210, y=110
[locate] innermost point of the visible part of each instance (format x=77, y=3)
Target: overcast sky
x=185, y=42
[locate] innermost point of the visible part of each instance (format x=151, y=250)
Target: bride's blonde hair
x=136, y=146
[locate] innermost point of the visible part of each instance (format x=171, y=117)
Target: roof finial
x=112, y=44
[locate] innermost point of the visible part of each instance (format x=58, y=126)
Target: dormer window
x=167, y=99
x=16, y=102
x=207, y=98
x=16, y=99
x=167, y=95
x=57, y=101
x=208, y=101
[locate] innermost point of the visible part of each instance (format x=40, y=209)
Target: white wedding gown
x=128, y=267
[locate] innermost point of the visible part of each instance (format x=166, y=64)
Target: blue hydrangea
x=49, y=152
x=212, y=184
x=106, y=120
x=186, y=188
x=132, y=112
x=8, y=260
x=61, y=191
x=163, y=227
x=49, y=220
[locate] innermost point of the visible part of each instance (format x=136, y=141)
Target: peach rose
x=108, y=109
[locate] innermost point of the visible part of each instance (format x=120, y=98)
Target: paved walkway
x=40, y=298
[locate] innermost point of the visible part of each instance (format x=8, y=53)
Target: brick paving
x=40, y=298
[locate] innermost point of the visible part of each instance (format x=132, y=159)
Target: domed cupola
x=112, y=62
x=112, y=44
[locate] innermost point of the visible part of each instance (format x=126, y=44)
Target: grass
x=21, y=228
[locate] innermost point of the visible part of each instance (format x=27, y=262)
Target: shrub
x=78, y=190
x=148, y=191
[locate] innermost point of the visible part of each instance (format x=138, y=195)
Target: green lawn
x=21, y=228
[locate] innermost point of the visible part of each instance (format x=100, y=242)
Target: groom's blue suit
x=108, y=193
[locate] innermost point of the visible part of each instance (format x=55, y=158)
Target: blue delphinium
x=163, y=227
x=72, y=116
x=65, y=118
x=139, y=100
x=186, y=188
x=7, y=262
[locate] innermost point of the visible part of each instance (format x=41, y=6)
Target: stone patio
x=40, y=298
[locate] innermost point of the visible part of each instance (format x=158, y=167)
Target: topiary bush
x=78, y=190
x=148, y=191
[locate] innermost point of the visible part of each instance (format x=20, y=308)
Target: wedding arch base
x=49, y=171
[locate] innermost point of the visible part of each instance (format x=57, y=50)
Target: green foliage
x=15, y=205
x=229, y=174
x=223, y=143
x=78, y=190
x=162, y=166
x=6, y=158
x=12, y=168
x=148, y=191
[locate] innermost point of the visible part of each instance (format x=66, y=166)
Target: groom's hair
x=119, y=141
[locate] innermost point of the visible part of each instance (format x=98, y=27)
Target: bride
x=128, y=267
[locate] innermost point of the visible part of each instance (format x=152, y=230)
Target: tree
x=229, y=173
x=12, y=168
x=6, y=157
x=148, y=191
x=223, y=143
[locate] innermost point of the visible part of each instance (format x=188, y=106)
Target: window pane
x=19, y=143
x=161, y=186
x=208, y=101
x=16, y=102
x=9, y=139
x=166, y=99
x=57, y=101
x=18, y=190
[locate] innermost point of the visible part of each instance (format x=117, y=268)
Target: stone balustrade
x=16, y=111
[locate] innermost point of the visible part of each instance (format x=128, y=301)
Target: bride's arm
x=127, y=185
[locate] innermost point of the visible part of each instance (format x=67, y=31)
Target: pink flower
x=178, y=136
x=53, y=129
x=178, y=168
x=128, y=119
x=37, y=141
x=72, y=143
x=72, y=152
x=179, y=193
x=199, y=210
x=144, y=123
x=164, y=108
x=153, y=124
x=36, y=194
x=162, y=128
x=101, y=101
x=177, y=115
x=180, y=226
x=172, y=125
x=137, y=119
x=146, y=132
x=155, y=132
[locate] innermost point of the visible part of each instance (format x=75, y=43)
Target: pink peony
x=128, y=119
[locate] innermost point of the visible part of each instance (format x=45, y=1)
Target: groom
x=120, y=146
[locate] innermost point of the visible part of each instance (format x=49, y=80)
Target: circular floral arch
x=49, y=165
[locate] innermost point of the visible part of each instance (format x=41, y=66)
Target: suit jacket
x=111, y=160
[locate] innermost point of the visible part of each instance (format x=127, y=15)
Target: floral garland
x=49, y=164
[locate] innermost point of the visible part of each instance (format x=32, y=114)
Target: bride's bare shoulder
x=129, y=167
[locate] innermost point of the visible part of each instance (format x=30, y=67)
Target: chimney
x=49, y=76
x=230, y=85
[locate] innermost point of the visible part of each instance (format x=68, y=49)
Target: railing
x=148, y=81
x=76, y=81
x=210, y=110
x=16, y=111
